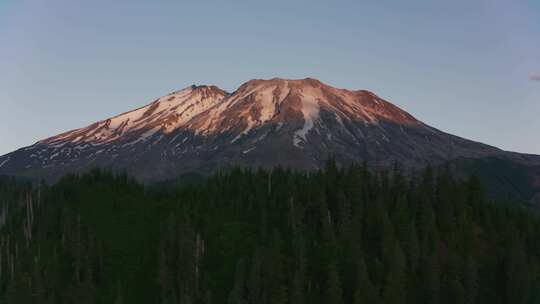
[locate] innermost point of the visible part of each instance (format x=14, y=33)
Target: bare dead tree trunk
x=28, y=223
x=39, y=195
x=198, y=255
x=31, y=205
x=12, y=267
x=78, y=252
x=1, y=255
x=269, y=182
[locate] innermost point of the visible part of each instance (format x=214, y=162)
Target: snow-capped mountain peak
x=277, y=100
x=295, y=123
x=210, y=110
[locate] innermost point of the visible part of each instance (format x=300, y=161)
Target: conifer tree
x=237, y=295
x=334, y=292
x=395, y=285
x=255, y=282
x=517, y=284
x=365, y=290
x=277, y=288
x=470, y=280
x=119, y=298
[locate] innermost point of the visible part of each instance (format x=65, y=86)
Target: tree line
x=338, y=235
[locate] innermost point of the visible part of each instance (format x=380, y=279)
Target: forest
x=338, y=235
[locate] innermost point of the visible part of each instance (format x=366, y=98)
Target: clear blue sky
x=463, y=66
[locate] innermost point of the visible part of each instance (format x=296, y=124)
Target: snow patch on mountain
x=248, y=150
x=5, y=161
x=310, y=110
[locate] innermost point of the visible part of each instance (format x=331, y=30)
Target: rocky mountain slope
x=292, y=123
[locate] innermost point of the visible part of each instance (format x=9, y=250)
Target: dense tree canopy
x=340, y=235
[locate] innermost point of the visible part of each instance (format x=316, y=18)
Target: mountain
x=264, y=123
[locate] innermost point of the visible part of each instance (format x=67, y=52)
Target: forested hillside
x=341, y=235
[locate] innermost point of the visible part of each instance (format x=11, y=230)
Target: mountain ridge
x=264, y=123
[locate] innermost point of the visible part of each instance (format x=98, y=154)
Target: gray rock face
x=265, y=123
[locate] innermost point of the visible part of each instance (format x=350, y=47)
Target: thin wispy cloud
x=534, y=77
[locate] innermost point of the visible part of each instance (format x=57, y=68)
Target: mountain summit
x=264, y=123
